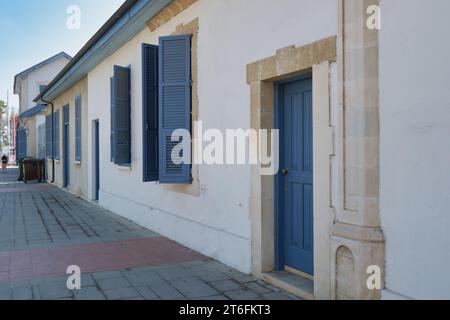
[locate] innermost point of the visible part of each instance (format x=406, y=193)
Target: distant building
x=28, y=84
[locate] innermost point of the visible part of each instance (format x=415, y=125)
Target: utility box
x=20, y=163
x=33, y=170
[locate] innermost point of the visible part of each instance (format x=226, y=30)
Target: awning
x=34, y=111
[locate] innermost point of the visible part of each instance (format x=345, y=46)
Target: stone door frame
x=262, y=75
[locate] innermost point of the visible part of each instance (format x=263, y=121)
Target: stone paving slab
x=44, y=229
x=39, y=215
x=152, y=285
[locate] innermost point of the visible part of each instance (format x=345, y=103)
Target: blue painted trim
x=78, y=128
x=57, y=128
x=112, y=125
x=22, y=143
x=97, y=158
x=279, y=179
x=48, y=136
x=305, y=76
x=66, y=114
x=34, y=111
x=119, y=159
x=279, y=193
x=144, y=114
x=149, y=176
x=186, y=176
x=66, y=146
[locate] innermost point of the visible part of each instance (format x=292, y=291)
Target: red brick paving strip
x=98, y=257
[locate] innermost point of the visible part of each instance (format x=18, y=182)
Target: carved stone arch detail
x=345, y=270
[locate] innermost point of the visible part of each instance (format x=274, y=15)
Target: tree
x=2, y=109
x=3, y=125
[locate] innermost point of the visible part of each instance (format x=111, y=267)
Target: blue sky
x=34, y=30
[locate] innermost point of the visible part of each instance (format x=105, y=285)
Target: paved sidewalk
x=10, y=176
x=43, y=230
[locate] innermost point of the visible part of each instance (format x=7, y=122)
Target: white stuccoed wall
x=232, y=33
x=415, y=147
x=41, y=76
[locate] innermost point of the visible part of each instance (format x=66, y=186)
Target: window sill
x=123, y=168
x=78, y=163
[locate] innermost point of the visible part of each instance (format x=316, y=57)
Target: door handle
x=285, y=171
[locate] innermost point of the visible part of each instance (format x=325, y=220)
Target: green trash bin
x=21, y=160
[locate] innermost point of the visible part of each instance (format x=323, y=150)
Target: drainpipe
x=53, y=136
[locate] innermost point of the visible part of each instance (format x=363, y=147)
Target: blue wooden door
x=297, y=175
x=66, y=151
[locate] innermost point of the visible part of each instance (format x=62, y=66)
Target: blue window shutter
x=48, y=136
x=78, y=128
x=21, y=143
x=150, y=111
x=18, y=144
x=57, y=135
x=122, y=118
x=174, y=104
x=113, y=135
x=66, y=115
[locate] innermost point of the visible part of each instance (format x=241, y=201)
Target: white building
x=27, y=85
x=363, y=115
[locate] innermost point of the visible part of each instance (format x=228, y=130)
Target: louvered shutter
x=57, y=127
x=66, y=115
x=174, y=105
x=17, y=144
x=21, y=143
x=78, y=128
x=48, y=136
x=113, y=124
x=150, y=111
x=122, y=120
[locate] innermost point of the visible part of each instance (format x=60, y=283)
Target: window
x=112, y=112
x=41, y=142
x=57, y=136
x=78, y=129
x=150, y=111
x=174, y=104
x=122, y=116
x=48, y=136
x=166, y=109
